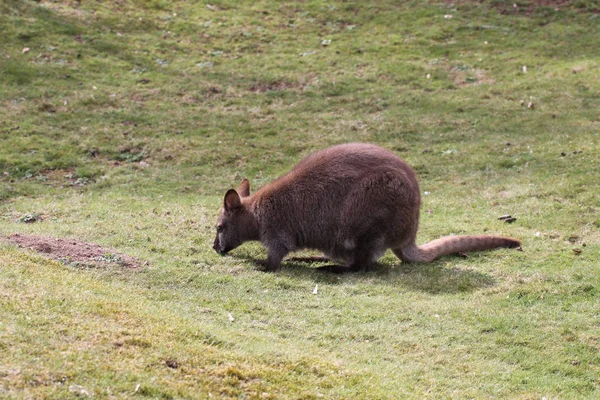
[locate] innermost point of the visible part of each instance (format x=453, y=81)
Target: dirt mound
x=73, y=252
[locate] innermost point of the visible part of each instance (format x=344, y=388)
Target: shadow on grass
x=430, y=277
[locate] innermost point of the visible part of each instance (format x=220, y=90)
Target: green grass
x=126, y=121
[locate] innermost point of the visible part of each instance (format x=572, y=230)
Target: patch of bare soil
x=73, y=252
x=263, y=87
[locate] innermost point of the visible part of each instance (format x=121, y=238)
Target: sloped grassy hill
x=123, y=122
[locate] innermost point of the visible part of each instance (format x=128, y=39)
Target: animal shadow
x=432, y=277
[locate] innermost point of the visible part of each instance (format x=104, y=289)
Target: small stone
x=79, y=390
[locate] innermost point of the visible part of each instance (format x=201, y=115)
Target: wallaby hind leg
x=398, y=253
x=363, y=259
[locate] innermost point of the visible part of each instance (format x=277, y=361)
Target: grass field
x=124, y=122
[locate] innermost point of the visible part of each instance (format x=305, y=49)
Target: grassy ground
x=124, y=122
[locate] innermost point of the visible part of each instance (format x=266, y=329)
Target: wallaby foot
x=338, y=269
x=263, y=266
x=362, y=262
x=311, y=259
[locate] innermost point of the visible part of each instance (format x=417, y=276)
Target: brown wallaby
x=352, y=202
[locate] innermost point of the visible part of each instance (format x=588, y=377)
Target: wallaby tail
x=453, y=244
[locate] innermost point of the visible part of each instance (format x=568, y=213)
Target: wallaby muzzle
x=217, y=247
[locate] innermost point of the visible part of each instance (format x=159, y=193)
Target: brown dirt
x=71, y=251
x=263, y=87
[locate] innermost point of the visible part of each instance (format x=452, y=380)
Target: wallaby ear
x=244, y=188
x=232, y=200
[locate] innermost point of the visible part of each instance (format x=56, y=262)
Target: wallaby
x=351, y=201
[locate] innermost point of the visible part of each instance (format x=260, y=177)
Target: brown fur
x=351, y=201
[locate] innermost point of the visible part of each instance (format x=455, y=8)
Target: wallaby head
x=236, y=224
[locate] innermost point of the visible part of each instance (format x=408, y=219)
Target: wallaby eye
x=220, y=228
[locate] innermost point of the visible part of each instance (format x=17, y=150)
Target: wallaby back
x=352, y=202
